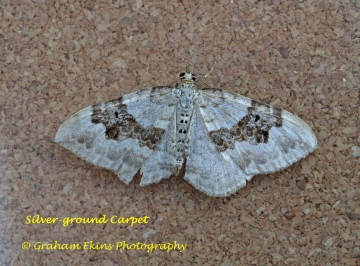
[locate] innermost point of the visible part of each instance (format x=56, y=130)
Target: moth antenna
x=173, y=82
x=212, y=68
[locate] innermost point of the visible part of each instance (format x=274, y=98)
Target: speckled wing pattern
x=234, y=138
x=121, y=134
x=223, y=139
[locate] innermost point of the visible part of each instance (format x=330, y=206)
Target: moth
x=221, y=138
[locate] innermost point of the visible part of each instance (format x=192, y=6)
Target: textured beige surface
x=58, y=57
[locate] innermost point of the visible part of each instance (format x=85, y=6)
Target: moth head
x=187, y=77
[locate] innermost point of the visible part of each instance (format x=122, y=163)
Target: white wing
x=240, y=138
x=207, y=169
x=122, y=134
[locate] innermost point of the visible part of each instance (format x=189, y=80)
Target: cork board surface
x=59, y=56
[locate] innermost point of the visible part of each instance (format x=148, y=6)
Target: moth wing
x=120, y=135
x=248, y=138
x=206, y=169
